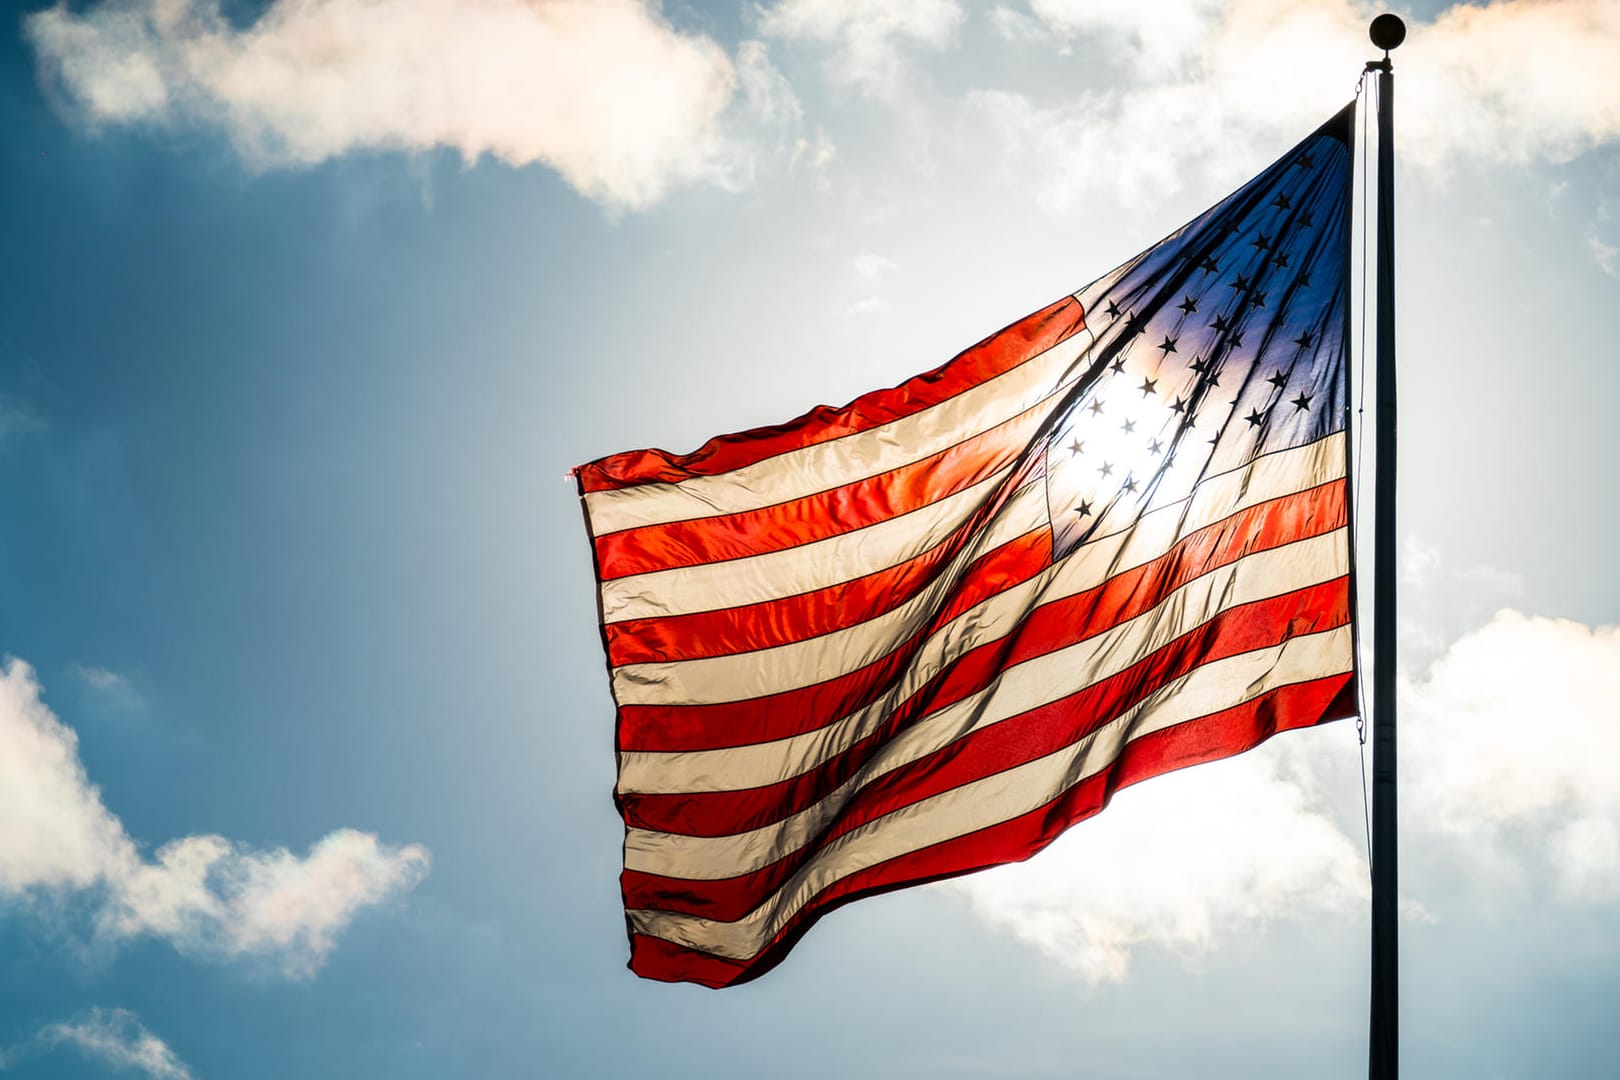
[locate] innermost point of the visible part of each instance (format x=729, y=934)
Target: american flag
x=927, y=632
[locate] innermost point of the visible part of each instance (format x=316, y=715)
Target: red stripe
x=807, y=615
x=721, y=813
x=1006, y=745
x=834, y=512
x=1001, y=352
x=776, y=716
x=639, y=724
x=1205, y=739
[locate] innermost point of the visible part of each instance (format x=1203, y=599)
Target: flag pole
x=1387, y=32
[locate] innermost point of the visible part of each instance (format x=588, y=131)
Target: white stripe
x=757, y=764
x=743, y=676
x=1016, y=690
x=1006, y=795
x=816, y=565
x=831, y=464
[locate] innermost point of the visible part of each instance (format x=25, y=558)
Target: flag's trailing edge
x=927, y=632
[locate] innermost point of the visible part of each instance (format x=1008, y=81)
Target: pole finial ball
x=1387, y=31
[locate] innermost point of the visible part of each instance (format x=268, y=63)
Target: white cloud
x=207, y=894
x=1020, y=28
x=1166, y=32
x=112, y=687
x=1517, y=80
x=1513, y=81
x=770, y=96
x=625, y=106
x=1442, y=598
x=1420, y=560
x=1425, y=567
x=1515, y=732
x=1607, y=256
x=869, y=266
x=930, y=22
x=111, y=1037
x=1024, y=29
x=118, y=1040
x=868, y=37
x=1510, y=762
x=604, y=91
x=816, y=153
x=1175, y=863
x=58, y=842
x=870, y=269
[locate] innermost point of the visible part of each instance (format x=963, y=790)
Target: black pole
x=1384, y=1033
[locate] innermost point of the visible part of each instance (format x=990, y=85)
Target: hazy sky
x=308, y=308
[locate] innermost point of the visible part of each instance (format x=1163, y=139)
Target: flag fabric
x=927, y=632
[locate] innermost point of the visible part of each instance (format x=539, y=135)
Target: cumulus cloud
x=60, y=845
x=111, y=1037
x=625, y=105
x=606, y=92
x=1511, y=770
x=1174, y=862
x=1515, y=732
x=867, y=37
x=1517, y=81
x=1164, y=33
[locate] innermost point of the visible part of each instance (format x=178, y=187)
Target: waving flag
x=927, y=632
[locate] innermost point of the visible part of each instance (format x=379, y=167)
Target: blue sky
x=306, y=742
